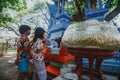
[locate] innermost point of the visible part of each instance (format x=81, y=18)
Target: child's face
x=28, y=32
x=44, y=35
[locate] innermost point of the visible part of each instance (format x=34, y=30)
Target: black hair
x=24, y=28
x=39, y=32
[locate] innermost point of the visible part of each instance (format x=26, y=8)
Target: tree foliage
x=36, y=16
x=11, y=4
x=76, y=7
x=115, y=3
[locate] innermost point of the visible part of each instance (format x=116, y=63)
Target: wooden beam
x=112, y=14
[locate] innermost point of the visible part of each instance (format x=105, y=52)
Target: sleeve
x=38, y=46
x=22, y=43
x=26, y=42
x=19, y=48
x=38, y=55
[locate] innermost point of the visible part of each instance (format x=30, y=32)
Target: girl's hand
x=34, y=55
x=46, y=43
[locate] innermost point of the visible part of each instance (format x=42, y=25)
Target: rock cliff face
x=92, y=34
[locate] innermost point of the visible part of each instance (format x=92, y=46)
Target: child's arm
x=26, y=45
x=46, y=43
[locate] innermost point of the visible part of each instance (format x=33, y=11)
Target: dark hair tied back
x=39, y=32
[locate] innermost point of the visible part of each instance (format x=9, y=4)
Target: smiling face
x=44, y=35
